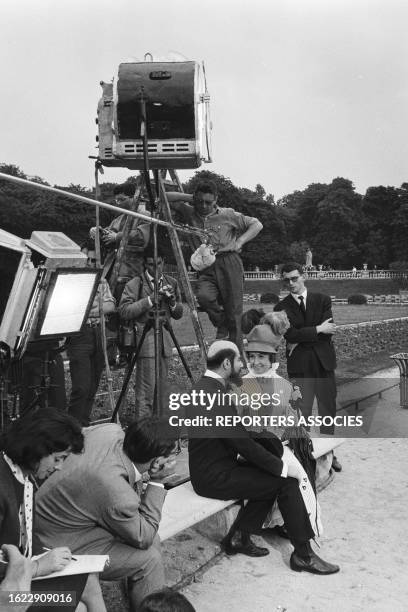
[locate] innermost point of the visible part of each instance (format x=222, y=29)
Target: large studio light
x=50, y=299
x=177, y=109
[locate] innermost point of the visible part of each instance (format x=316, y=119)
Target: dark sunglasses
x=291, y=279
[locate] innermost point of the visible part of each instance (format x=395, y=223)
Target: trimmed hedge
x=357, y=298
x=340, y=288
x=269, y=298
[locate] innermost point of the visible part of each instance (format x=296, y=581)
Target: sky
x=302, y=91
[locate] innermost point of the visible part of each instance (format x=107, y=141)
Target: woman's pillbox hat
x=261, y=339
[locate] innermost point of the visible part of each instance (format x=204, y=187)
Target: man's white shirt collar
x=296, y=296
x=212, y=374
x=151, y=278
x=138, y=478
x=138, y=475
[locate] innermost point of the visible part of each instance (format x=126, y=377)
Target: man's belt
x=134, y=249
x=220, y=253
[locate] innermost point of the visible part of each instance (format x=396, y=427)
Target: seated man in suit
x=216, y=472
x=136, y=306
x=96, y=504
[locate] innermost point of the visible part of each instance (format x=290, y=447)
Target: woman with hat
x=263, y=345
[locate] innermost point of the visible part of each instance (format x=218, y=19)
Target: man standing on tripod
x=221, y=285
x=137, y=306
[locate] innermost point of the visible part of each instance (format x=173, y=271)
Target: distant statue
x=309, y=258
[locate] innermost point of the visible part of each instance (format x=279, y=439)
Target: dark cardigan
x=11, y=498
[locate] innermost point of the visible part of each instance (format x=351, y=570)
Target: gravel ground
x=364, y=514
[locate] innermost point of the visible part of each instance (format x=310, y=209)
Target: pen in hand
x=48, y=550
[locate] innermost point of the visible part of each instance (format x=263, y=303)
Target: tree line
x=342, y=227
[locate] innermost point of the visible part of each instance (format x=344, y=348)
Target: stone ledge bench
x=183, y=508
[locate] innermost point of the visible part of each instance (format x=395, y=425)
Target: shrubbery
x=269, y=298
x=357, y=298
x=398, y=265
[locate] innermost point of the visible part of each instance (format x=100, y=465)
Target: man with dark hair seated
x=96, y=502
x=264, y=477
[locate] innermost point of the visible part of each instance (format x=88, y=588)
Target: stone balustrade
x=325, y=274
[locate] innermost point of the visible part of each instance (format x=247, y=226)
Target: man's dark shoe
x=313, y=564
x=248, y=548
x=336, y=465
x=278, y=530
x=281, y=531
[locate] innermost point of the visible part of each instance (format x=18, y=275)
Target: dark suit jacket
x=303, y=332
x=212, y=460
x=134, y=306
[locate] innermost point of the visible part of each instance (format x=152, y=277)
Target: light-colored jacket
x=135, y=306
x=91, y=501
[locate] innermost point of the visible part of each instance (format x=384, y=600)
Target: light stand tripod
x=42, y=390
x=157, y=317
x=5, y=360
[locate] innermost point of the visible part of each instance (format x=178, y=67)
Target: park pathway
x=365, y=532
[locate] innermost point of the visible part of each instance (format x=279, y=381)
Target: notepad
x=83, y=564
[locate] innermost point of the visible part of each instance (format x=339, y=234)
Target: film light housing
x=177, y=110
x=56, y=250
x=17, y=278
x=49, y=300
x=65, y=303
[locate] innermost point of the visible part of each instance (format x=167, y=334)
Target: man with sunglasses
x=311, y=358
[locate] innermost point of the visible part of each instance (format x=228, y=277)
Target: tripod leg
x=129, y=371
x=169, y=328
x=45, y=379
x=184, y=279
x=158, y=374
